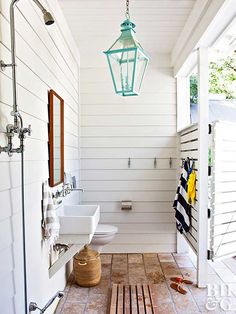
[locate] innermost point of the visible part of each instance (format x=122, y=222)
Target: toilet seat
x=103, y=229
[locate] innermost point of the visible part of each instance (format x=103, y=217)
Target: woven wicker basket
x=87, y=267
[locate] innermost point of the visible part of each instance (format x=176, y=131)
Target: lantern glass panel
x=141, y=64
x=114, y=65
x=122, y=65
x=127, y=64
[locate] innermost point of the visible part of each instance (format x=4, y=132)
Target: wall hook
x=129, y=162
x=3, y=65
x=155, y=162
x=170, y=162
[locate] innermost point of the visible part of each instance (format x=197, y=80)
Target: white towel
x=50, y=223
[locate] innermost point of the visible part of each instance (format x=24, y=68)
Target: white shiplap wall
x=142, y=128
x=46, y=58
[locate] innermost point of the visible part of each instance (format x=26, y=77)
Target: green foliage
x=222, y=79
x=193, y=88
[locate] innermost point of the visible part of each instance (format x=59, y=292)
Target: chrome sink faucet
x=67, y=189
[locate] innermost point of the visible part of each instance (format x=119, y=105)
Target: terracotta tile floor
x=148, y=268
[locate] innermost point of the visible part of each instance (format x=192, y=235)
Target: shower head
x=47, y=16
x=48, y=19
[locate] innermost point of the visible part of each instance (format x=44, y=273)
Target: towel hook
x=170, y=162
x=155, y=162
x=129, y=162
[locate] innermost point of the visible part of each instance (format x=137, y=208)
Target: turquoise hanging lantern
x=127, y=60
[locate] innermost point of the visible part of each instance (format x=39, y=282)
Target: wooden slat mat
x=134, y=299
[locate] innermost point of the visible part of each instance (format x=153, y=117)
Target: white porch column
x=183, y=120
x=203, y=166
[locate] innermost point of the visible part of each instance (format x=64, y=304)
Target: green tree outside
x=222, y=79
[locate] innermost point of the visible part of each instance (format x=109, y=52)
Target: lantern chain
x=127, y=9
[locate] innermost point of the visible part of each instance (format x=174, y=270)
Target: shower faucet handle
x=27, y=130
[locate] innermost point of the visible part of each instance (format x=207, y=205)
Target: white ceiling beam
x=193, y=19
x=202, y=15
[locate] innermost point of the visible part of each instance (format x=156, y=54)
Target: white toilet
x=103, y=235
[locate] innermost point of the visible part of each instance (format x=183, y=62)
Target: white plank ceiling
x=95, y=24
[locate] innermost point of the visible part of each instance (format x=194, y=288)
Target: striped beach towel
x=50, y=223
x=181, y=205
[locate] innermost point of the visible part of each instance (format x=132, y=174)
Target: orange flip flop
x=177, y=286
x=181, y=280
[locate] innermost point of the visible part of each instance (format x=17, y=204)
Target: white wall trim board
x=193, y=20
x=203, y=167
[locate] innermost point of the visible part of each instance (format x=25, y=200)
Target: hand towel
x=51, y=225
x=181, y=205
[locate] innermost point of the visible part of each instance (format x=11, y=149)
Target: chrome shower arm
x=41, y=7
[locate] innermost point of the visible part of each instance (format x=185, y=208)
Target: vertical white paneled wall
x=114, y=129
x=46, y=58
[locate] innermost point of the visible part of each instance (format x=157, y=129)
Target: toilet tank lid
x=103, y=229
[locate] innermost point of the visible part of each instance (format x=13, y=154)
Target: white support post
x=202, y=266
x=183, y=120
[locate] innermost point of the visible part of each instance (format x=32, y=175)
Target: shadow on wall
x=4, y=120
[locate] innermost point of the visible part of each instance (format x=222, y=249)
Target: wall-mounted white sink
x=78, y=223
